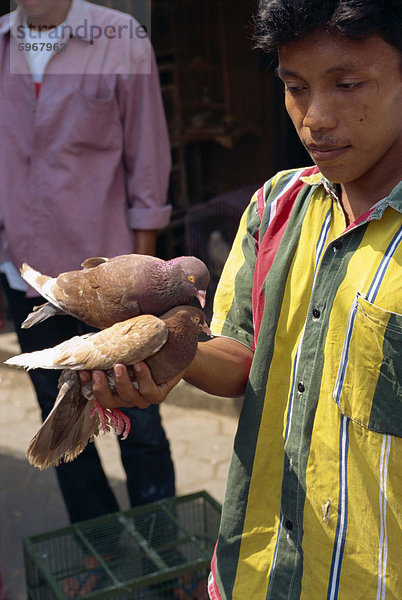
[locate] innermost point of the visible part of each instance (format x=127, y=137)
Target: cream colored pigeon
x=168, y=344
x=107, y=290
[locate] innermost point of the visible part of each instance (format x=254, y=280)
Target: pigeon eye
x=191, y=278
x=196, y=319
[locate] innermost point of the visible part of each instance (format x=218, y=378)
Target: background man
x=84, y=165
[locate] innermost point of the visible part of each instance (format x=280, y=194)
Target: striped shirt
x=313, y=501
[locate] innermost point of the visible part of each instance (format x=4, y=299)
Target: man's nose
x=319, y=114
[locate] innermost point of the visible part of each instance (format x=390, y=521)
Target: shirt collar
x=394, y=198
x=319, y=179
x=78, y=19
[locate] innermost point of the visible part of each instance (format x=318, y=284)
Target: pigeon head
x=189, y=319
x=184, y=323
x=198, y=318
x=194, y=278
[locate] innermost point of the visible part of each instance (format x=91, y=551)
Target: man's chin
x=335, y=173
x=34, y=8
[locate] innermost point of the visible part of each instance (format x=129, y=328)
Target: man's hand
x=221, y=367
x=126, y=394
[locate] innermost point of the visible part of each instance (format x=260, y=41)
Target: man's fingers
x=102, y=391
x=146, y=385
x=85, y=376
x=127, y=393
x=148, y=388
x=144, y=393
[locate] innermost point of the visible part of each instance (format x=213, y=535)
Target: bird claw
x=112, y=418
x=101, y=413
x=122, y=421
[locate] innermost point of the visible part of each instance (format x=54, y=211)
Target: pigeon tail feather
x=39, y=314
x=42, y=359
x=36, y=280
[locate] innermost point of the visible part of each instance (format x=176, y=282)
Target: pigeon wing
x=105, y=291
x=129, y=342
x=90, y=263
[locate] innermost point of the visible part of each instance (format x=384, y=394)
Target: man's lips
x=326, y=153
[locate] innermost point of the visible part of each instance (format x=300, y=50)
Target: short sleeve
x=232, y=316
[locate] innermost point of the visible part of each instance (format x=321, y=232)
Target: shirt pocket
x=91, y=123
x=368, y=387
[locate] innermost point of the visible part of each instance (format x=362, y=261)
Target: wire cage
x=155, y=551
x=210, y=229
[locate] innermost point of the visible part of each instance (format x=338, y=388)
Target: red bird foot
x=112, y=418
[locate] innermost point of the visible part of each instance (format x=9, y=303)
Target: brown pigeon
x=109, y=290
x=168, y=344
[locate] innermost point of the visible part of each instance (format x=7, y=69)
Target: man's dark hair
x=279, y=22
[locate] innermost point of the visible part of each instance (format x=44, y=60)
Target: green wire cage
x=157, y=551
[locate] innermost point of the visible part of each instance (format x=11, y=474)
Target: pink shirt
x=87, y=162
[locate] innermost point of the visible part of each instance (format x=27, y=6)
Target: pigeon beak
x=201, y=295
x=206, y=330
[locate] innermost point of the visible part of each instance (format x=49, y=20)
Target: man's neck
x=354, y=207
x=357, y=200
x=358, y=196
x=51, y=18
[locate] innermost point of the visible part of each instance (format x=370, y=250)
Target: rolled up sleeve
x=154, y=217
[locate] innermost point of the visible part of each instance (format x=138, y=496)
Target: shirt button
x=316, y=313
x=300, y=387
x=289, y=525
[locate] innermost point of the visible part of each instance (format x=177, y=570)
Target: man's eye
x=349, y=85
x=294, y=89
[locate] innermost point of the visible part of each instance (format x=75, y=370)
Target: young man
x=309, y=326
x=84, y=166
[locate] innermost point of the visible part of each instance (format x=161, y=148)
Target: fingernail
x=137, y=368
x=118, y=370
x=96, y=376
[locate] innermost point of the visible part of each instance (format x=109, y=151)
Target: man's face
x=344, y=98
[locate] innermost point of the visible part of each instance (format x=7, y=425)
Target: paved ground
x=200, y=428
